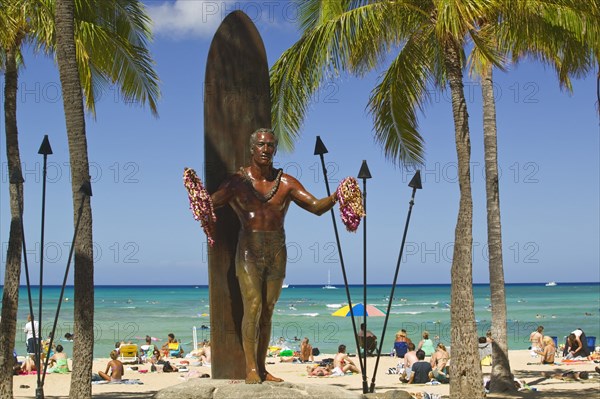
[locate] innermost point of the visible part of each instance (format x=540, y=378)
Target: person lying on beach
x=342, y=362
x=290, y=359
x=26, y=367
x=116, y=369
x=319, y=371
x=569, y=375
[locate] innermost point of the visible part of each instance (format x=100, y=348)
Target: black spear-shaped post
x=320, y=150
x=415, y=184
x=44, y=150
x=365, y=174
x=86, y=192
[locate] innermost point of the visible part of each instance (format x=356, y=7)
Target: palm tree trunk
x=466, y=378
x=502, y=379
x=12, y=274
x=83, y=347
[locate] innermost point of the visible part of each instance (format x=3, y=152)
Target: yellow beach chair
x=128, y=353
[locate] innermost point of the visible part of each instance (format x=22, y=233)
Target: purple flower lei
x=351, y=203
x=200, y=202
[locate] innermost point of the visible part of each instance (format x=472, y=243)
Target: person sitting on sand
x=147, y=349
x=116, y=369
x=203, y=353
x=401, y=343
x=319, y=371
x=485, y=351
x=205, y=356
x=536, y=341
x=420, y=370
x=367, y=338
x=426, y=344
x=549, y=350
x=156, y=357
x=342, y=362
x=165, y=347
x=58, y=361
x=439, y=363
x=410, y=358
x=306, y=351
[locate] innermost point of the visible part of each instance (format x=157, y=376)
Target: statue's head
x=254, y=136
x=263, y=145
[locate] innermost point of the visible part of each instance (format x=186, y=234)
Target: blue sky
x=144, y=232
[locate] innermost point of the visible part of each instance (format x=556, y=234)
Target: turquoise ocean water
x=130, y=312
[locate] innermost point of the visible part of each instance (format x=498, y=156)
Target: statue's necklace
x=257, y=194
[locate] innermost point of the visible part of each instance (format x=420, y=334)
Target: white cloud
x=184, y=18
x=200, y=18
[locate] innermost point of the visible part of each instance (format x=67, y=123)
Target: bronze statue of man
x=260, y=196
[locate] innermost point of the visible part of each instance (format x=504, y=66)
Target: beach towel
x=126, y=382
x=575, y=361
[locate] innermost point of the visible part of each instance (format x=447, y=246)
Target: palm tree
x=533, y=27
x=111, y=48
x=66, y=57
x=427, y=39
x=13, y=28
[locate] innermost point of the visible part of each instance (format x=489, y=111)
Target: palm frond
x=354, y=42
x=401, y=92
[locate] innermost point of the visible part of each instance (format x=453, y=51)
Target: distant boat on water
x=329, y=286
x=285, y=285
x=551, y=284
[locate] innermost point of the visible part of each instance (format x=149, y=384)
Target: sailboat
x=329, y=286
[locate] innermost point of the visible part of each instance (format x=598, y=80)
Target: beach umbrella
x=359, y=310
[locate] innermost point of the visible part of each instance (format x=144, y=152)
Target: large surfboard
x=236, y=102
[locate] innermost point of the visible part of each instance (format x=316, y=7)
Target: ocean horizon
x=340, y=285
x=130, y=312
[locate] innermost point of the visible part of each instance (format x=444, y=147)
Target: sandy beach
x=57, y=385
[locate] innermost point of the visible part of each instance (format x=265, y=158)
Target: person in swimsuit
x=306, y=351
x=342, y=362
x=116, y=369
x=59, y=361
x=319, y=371
x=536, y=341
x=439, y=363
x=548, y=351
x=260, y=195
x=426, y=344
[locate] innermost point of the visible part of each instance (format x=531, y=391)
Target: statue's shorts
x=261, y=254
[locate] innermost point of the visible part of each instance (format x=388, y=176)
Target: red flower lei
x=351, y=203
x=200, y=202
